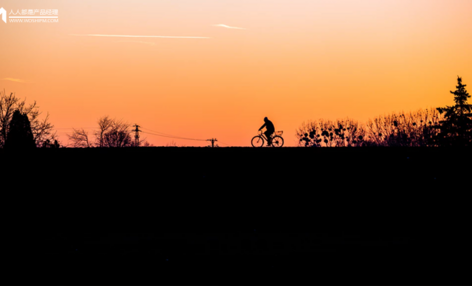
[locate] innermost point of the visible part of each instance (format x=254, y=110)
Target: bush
x=339, y=133
x=414, y=129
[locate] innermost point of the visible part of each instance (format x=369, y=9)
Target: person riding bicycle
x=269, y=130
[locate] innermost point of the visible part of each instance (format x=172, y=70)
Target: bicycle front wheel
x=277, y=141
x=257, y=141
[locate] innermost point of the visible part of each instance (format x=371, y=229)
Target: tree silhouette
x=19, y=134
x=104, y=124
x=79, y=138
x=42, y=130
x=456, y=128
x=111, y=133
x=117, y=138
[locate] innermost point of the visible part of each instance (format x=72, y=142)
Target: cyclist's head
x=265, y=119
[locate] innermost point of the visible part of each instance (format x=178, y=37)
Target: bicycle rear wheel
x=277, y=141
x=257, y=141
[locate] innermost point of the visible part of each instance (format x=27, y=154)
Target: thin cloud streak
x=139, y=42
x=13, y=79
x=137, y=36
x=229, y=27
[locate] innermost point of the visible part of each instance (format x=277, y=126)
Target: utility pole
x=136, y=135
x=213, y=140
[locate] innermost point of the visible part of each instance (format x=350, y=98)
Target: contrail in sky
x=229, y=27
x=138, y=36
x=13, y=79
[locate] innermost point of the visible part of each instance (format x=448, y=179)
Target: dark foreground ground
x=237, y=216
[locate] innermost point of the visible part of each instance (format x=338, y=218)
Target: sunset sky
x=215, y=68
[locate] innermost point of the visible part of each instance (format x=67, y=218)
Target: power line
x=224, y=143
x=161, y=134
x=173, y=137
x=157, y=132
x=212, y=140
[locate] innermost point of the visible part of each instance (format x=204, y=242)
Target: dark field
x=238, y=215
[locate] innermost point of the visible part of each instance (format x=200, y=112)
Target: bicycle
x=259, y=140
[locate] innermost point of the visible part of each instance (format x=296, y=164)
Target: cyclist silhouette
x=269, y=130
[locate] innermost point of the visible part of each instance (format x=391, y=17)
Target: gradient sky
x=292, y=61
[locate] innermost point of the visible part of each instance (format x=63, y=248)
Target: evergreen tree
x=456, y=128
x=20, y=135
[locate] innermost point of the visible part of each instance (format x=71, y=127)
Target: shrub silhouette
x=19, y=134
x=48, y=144
x=413, y=129
x=339, y=133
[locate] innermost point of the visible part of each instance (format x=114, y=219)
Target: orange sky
x=295, y=60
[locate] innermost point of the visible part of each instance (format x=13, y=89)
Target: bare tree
x=118, y=135
x=42, y=129
x=111, y=133
x=104, y=125
x=413, y=129
x=80, y=138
